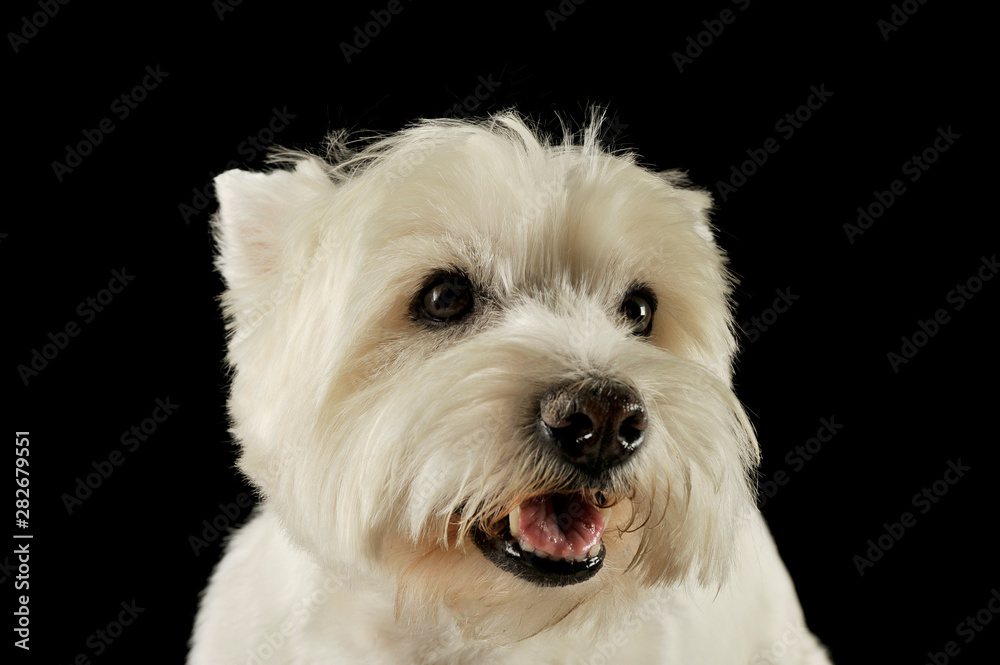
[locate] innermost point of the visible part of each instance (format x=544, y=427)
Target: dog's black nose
x=595, y=423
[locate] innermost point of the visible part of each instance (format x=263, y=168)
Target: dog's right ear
x=251, y=227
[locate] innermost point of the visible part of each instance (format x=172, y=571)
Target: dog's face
x=492, y=372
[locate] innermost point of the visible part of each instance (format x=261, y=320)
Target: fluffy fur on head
x=382, y=444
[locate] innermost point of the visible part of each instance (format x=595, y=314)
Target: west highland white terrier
x=482, y=382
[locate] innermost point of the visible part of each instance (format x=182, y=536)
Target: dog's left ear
x=252, y=225
x=697, y=201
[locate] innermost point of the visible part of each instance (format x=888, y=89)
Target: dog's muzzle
x=594, y=424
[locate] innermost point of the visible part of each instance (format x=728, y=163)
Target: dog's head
x=487, y=369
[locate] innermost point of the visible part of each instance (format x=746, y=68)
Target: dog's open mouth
x=551, y=540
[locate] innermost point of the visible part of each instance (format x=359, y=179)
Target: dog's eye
x=638, y=308
x=446, y=299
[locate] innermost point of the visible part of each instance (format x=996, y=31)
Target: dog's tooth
x=595, y=550
x=527, y=547
x=606, y=512
x=515, y=522
x=542, y=554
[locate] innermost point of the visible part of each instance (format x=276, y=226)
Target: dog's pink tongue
x=563, y=526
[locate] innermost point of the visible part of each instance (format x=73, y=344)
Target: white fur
x=378, y=443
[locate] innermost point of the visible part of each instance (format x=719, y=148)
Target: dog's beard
x=411, y=465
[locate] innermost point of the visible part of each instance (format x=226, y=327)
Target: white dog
x=483, y=385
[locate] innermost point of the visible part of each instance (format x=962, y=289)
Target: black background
x=826, y=357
